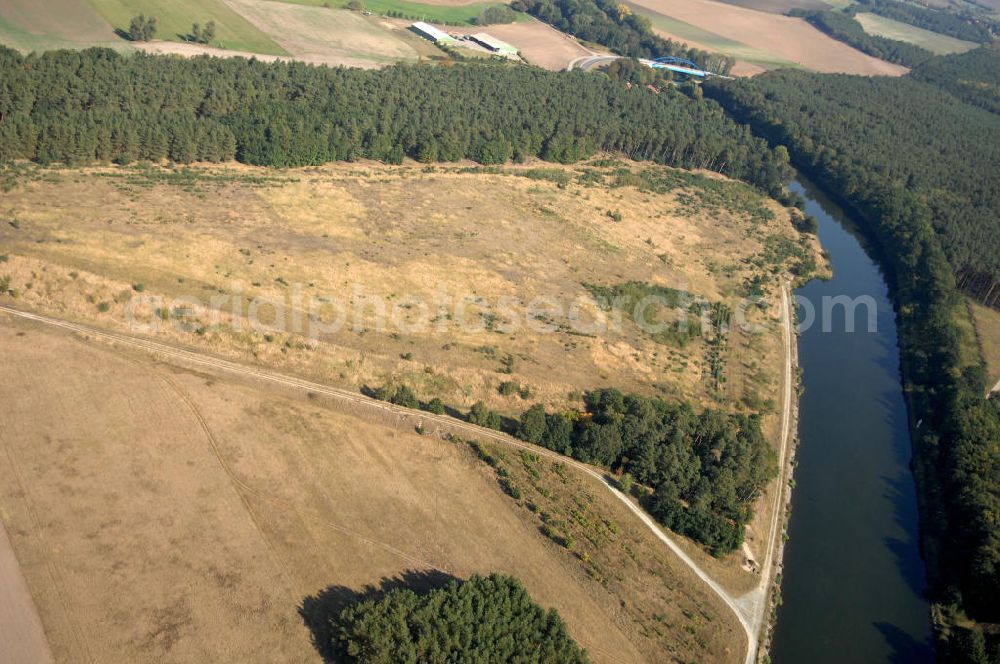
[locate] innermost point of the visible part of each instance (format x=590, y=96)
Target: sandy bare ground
x=539, y=44
x=191, y=50
x=21, y=630
x=790, y=38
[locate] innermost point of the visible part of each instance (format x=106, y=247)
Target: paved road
x=749, y=609
x=22, y=639
x=588, y=62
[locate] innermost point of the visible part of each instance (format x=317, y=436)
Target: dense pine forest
x=483, y=619
x=844, y=27
x=614, y=25
x=970, y=26
x=973, y=77
x=78, y=107
x=902, y=133
x=706, y=468
x=919, y=167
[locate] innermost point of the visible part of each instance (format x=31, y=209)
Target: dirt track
x=145, y=535
x=750, y=609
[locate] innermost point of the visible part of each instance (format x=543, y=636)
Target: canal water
x=853, y=578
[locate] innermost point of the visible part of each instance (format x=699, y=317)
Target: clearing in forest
x=987, y=328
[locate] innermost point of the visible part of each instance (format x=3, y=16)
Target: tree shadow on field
x=319, y=611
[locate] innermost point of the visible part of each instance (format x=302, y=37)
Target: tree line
x=482, y=619
x=77, y=107
x=833, y=125
x=705, y=469
x=614, y=25
x=900, y=131
x=842, y=26
x=970, y=26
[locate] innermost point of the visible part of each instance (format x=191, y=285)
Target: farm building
x=428, y=31
x=493, y=44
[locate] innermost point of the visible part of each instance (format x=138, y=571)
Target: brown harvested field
x=428, y=277
x=323, y=36
x=783, y=37
x=165, y=514
x=539, y=44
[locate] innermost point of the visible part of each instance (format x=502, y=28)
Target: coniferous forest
x=483, y=619
x=919, y=168
x=78, y=107
x=706, y=468
x=973, y=77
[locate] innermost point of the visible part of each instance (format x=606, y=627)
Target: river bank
x=852, y=577
x=772, y=591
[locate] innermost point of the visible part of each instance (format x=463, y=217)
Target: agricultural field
x=382, y=245
x=749, y=60
x=165, y=513
x=453, y=13
x=28, y=25
x=174, y=19
x=332, y=36
x=935, y=43
x=780, y=38
x=779, y=6
x=539, y=44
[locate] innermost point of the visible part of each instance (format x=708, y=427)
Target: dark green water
x=853, y=578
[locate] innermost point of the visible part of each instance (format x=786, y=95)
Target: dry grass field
x=165, y=514
x=780, y=37
x=437, y=280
